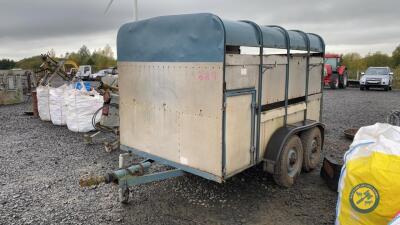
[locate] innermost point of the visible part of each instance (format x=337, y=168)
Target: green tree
x=377, y=59
x=354, y=64
x=396, y=77
x=74, y=57
x=396, y=57
x=108, y=52
x=84, y=55
x=99, y=59
x=6, y=64
x=31, y=63
x=90, y=61
x=102, y=61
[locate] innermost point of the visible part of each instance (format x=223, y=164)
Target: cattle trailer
x=214, y=97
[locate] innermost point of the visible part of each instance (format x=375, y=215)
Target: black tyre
x=334, y=82
x=362, y=88
x=386, y=88
x=312, y=148
x=290, y=161
x=343, y=80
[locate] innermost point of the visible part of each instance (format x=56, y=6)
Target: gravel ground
x=40, y=165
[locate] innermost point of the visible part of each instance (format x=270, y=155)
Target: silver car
x=377, y=77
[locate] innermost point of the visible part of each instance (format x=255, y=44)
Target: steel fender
x=278, y=139
x=341, y=70
x=328, y=69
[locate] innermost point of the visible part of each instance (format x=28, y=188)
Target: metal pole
x=322, y=73
x=307, y=42
x=287, y=40
x=136, y=16
x=259, y=97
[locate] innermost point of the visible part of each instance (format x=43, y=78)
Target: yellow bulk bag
x=369, y=186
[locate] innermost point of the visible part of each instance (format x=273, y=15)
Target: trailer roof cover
x=202, y=38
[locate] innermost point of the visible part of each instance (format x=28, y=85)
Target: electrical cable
x=99, y=127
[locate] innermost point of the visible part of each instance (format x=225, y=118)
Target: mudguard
x=341, y=69
x=278, y=139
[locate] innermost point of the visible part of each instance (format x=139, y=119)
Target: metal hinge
x=253, y=104
x=252, y=149
x=311, y=66
x=267, y=67
x=224, y=106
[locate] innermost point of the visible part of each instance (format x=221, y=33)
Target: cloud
x=33, y=27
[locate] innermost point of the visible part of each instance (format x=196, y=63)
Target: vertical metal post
x=259, y=89
x=29, y=81
x=287, y=39
x=223, y=106
x=307, y=41
x=123, y=192
x=322, y=73
x=136, y=16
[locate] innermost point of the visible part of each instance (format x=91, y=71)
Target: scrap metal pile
x=109, y=121
x=75, y=103
x=50, y=68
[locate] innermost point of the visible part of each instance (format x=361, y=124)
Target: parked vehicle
x=190, y=100
x=336, y=73
x=102, y=73
x=99, y=74
x=72, y=72
x=70, y=67
x=84, y=72
x=377, y=77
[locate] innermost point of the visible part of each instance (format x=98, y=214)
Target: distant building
x=13, y=86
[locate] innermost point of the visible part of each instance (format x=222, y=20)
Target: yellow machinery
x=50, y=67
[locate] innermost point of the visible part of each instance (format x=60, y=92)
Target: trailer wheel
x=290, y=161
x=334, y=82
x=312, y=147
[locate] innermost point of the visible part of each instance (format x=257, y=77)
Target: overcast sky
x=31, y=27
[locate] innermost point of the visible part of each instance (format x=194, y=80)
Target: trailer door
x=239, y=131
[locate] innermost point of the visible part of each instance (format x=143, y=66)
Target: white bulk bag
x=42, y=93
x=81, y=107
x=58, y=107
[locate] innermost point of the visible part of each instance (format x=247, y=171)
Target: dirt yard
x=40, y=165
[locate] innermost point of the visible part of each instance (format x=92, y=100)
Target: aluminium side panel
x=239, y=132
x=297, y=78
x=241, y=71
x=173, y=110
x=314, y=85
x=314, y=107
x=274, y=79
x=272, y=120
